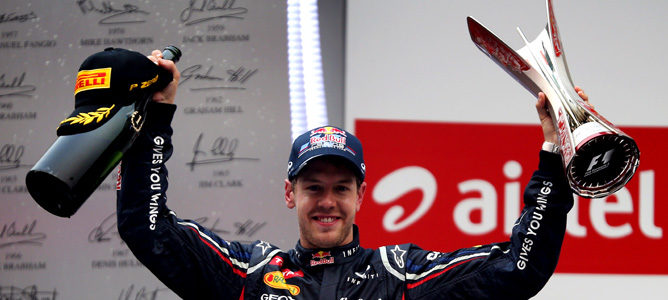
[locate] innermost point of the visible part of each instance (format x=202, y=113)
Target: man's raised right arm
x=188, y=258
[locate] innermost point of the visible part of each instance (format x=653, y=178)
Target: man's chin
x=326, y=240
x=327, y=236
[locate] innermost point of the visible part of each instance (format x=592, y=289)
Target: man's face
x=327, y=198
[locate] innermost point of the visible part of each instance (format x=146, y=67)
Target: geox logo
x=86, y=118
x=92, y=79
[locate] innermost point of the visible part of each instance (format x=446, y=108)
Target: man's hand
x=546, y=122
x=168, y=94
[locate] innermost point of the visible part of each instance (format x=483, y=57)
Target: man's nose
x=328, y=200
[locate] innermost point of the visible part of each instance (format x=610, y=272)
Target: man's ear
x=289, y=194
x=360, y=195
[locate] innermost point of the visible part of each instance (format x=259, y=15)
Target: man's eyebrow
x=346, y=180
x=315, y=180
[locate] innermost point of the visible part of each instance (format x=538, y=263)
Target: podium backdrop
x=231, y=137
x=410, y=66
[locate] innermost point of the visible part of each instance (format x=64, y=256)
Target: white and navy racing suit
x=197, y=264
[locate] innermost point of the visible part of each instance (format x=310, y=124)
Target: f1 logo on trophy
x=599, y=159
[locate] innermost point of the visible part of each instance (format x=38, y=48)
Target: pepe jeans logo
x=276, y=280
x=92, y=79
x=89, y=117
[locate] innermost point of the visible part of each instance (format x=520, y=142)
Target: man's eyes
x=342, y=188
x=318, y=188
x=314, y=188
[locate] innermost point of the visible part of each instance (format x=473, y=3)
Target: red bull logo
x=328, y=138
x=322, y=258
x=328, y=130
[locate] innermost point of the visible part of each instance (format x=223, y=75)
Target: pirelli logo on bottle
x=93, y=79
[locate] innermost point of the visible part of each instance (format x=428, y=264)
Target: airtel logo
x=397, y=183
x=394, y=185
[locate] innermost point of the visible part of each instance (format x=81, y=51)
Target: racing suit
x=196, y=264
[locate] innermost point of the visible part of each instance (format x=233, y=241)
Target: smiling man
x=325, y=185
x=326, y=199
x=329, y=189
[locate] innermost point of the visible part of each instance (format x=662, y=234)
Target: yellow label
x=144, y=84
x=93, y=79
x=276, y=280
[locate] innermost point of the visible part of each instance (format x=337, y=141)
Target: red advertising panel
x=445, y=186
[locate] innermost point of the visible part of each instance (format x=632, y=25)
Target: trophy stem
x=553, y=81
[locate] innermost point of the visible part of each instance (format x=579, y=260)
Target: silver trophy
x=599, y=159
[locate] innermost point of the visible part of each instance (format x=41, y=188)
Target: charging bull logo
x=328, y=130
x=321, y=254
x=276, y=280
x=92, y=79
x=321, y=258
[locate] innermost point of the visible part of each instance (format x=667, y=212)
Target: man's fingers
x=155, y=56
x=170, y=66
x=583, y=96
x=581, y=93
x=153, y=59
x=541, y=105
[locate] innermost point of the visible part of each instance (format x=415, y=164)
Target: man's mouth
x=325, y=219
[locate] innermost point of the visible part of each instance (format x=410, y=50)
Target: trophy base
x=602, y=165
